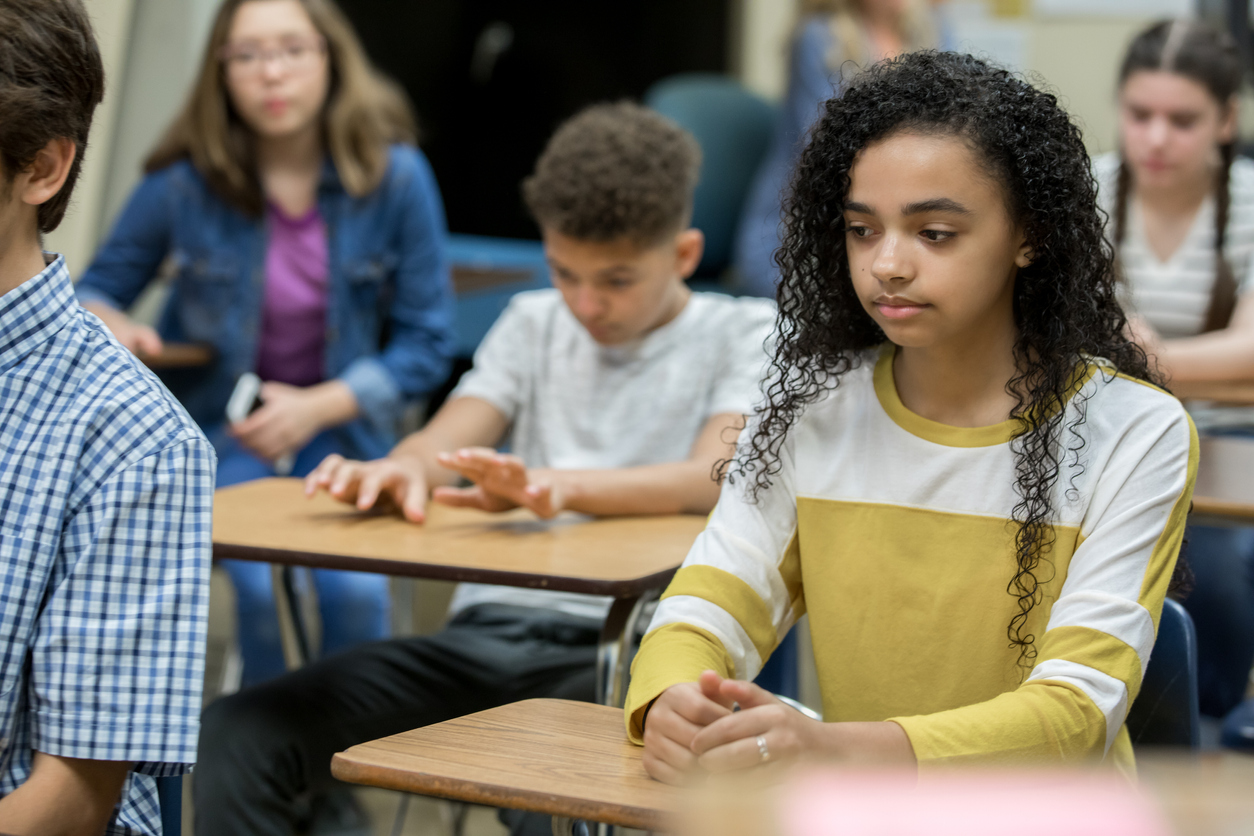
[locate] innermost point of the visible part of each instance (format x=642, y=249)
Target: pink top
x=294, y=312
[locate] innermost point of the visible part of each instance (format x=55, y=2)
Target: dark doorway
x=491, y=79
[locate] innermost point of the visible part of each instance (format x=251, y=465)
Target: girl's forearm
x=334, y=403
x=1219, y=355
x=881, y=743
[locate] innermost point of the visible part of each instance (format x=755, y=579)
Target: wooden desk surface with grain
x=179, y=356
x=557, y=757
x=270, y=520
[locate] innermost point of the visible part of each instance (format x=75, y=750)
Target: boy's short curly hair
x=615, y=171
x=51, y=79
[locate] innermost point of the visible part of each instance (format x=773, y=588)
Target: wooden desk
x=178, y=356
x=1225, y=482
x=571, y=760
x=628, y=558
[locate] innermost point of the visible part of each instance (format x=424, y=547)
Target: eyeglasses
x=292, y=56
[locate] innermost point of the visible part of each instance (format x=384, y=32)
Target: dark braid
x=1223, y=294
x=1210, y=57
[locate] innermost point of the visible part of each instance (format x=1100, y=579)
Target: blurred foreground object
x=1176, y=795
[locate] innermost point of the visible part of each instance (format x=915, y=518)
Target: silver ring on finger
x=763, y=750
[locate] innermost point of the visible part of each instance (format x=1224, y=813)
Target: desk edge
x=628, y=588
x=345, y=767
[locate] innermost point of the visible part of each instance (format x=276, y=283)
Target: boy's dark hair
x=51, y=79
x=1064, y=301
x=1209, y=56
x=615, y=171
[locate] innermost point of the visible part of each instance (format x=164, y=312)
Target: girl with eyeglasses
x=305, y=237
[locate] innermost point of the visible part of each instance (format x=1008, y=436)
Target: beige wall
x=150, y=49
x=76, y=237
x=1078, y=56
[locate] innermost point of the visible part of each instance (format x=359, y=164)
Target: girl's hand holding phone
x=398, y=479
x=501, y=482
x=284, y=423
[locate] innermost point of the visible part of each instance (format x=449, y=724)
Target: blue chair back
x=170, y=798
x=1166, y=709
x=780, y=674
x=486, y=273
x=733, y=127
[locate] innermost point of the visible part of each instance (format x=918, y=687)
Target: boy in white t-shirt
x=617, y=391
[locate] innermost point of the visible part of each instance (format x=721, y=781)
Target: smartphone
x=245, y=398
x=244, y=401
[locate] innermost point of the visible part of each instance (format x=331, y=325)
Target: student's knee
x=259, y=731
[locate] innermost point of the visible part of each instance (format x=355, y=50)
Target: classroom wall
x=1077, y=54
x=150, y=50
x=76, y=237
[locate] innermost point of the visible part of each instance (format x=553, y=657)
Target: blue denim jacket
x=389, y=326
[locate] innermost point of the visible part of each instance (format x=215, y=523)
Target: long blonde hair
x=916, y=27
x=364, y=113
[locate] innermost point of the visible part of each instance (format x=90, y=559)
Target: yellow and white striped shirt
x=894, y=533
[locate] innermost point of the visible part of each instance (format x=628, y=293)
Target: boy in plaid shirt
x=106, y=489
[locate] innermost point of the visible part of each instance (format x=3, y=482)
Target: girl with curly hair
x=962, y=471
x=832, y=40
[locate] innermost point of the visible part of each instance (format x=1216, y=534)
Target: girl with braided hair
x=962, y=469
x=1181, y=207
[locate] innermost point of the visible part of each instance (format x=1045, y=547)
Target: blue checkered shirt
x=106, y=492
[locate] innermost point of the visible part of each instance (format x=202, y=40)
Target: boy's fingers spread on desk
x=320, y=476
x=459, y=497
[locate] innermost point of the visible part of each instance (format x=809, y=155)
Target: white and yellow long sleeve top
x=894, y=533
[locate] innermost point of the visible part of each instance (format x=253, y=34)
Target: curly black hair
x=1064, y=301
x=615, y=171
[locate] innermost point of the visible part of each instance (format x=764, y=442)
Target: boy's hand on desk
x=501, y=482
x=675, y=719
x=398, y=479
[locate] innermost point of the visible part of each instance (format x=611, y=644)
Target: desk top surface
x=271, y=520
x=179, y=356
x=557, y=757
x=1225, y=479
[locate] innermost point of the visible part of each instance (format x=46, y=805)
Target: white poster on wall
x=1112, y=8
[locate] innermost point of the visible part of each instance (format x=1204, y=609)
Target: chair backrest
x=486, y=273
x=733, y=127
x=1166, y=709
x=170, y=799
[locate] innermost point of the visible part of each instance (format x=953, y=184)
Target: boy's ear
x=689, y=247
x=40, y=181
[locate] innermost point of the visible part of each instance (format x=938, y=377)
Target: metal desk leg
x=292, y=631
x=614, y=647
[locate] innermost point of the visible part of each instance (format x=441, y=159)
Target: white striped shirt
x=1174, y=295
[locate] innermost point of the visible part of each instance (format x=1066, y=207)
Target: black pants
x=263, y=749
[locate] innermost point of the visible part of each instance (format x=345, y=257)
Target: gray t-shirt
x=575, y=404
